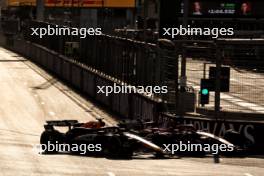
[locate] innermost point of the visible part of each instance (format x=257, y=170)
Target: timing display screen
x=226, y=8
x=223, y=8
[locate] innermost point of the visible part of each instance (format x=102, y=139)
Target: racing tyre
x=113, y=147
x=48, y=141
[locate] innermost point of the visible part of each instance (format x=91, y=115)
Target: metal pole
x=185, y=13
x=40, y=10
x=217, y=80
x=183, y=78
x=103, y=9
x=145, y=19
x=183, y=60
x=158, y=20
x=204, y=70
x=176, y=80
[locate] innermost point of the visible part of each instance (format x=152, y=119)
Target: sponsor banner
x=78, y=3
x=251, y=130
x=74, y=3
x=21, y=2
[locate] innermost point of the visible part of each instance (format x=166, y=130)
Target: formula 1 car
x=178, y=134
x=100, y=140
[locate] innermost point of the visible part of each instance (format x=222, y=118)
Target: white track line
x=110, y=174
x=248, y=174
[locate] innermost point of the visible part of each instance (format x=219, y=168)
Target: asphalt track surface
x=29, y=96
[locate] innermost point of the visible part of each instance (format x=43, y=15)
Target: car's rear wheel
x=49, y=141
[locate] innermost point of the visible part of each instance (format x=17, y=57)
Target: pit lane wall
x=85, y=80
x=252, y=131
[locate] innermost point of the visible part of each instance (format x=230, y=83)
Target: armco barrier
x=86, y=80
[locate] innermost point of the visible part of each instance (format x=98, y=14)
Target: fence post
x=218, y=52
x=40, y=10
x=176, y=81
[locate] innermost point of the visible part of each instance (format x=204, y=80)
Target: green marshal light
x=205, y=91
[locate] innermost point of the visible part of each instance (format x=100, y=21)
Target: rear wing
x=60, y=123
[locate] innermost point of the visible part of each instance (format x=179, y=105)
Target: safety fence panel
x=245, y=58
x=87, y=79
x=132, y=62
